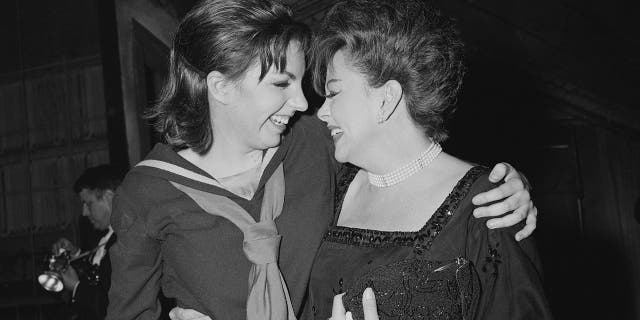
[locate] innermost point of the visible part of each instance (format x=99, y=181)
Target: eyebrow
x=291, y=75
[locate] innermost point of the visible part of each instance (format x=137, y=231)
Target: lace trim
x=420, y=240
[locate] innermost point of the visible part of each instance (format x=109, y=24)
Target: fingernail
x=491, y=225
x=368, y=293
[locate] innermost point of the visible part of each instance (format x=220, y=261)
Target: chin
x=270, y=142
x=340, y=156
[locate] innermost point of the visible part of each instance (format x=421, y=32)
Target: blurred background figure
x=89, y=289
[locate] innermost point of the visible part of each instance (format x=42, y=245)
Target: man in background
x=89, y=292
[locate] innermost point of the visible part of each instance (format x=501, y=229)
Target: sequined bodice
x=418, y=289
x=409, y=280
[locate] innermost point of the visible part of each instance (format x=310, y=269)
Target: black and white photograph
x=319, y=160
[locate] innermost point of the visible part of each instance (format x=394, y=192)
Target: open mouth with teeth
x=335, y=132
x=280, y=121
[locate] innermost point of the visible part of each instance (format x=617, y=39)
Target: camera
x=50, y=280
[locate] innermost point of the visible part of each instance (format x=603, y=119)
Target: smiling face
x=259, y=110
x=349, y=110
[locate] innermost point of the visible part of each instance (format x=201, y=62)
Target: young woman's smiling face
x=260, y=110
x=349, y=109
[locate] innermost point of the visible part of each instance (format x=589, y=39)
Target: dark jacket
x=166, y=241
x=90, y=300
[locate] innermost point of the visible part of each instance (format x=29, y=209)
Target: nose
x=298, y=101
x=85, y=210
x=323, y=112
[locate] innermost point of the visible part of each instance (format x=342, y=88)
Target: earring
x=380, y=116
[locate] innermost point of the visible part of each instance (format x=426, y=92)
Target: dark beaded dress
x=452, y=268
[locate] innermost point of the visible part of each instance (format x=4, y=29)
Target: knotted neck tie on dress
x=268, y=294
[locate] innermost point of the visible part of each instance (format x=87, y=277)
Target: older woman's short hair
x=227, y=36
x=404, y=40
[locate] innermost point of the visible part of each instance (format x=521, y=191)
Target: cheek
x=262, y=109
x=346, y=117
x=96, y=210
x=245, y=119
x=272, y=100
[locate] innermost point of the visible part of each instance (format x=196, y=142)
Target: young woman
x=390, y=71
x=227, y=216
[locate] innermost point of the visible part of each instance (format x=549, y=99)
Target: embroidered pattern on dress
x=420, y=240
x=418, y=289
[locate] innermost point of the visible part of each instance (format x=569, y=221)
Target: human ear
x=392, y=97
x=219, y=86
x=108, y=196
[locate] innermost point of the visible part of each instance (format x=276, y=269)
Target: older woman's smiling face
x=349, y=109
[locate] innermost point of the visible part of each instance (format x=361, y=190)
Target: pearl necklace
x=404, y=172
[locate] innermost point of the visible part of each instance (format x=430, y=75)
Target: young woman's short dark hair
x=403, y=40
x=227, y=36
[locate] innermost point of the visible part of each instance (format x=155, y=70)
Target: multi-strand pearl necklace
x=404, y=172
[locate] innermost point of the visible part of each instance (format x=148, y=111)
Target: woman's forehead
x=340, y=63
x=294, y=61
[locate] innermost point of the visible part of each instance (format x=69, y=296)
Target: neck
x=389, y=155
x=224, y=158
x=228, y=154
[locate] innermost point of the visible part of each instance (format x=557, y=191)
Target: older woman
x=390, y=71
x=227, y=216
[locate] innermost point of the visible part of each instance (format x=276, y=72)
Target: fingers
x=369, y=306
x=498, y=172
x=63, y=244
x=60, y=244
x=508, y=220
x=501, y=171
x=178, y=313
x=516, y=201
x=512, y=173
x=507, y=171
x=496, y=209
x=337, y=311
x=190, y=314
x=532, y=218
x=507, y=189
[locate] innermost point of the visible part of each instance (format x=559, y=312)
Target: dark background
x=551, y=88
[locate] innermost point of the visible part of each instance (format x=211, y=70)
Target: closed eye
x=283, y=84
x=330, y=95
